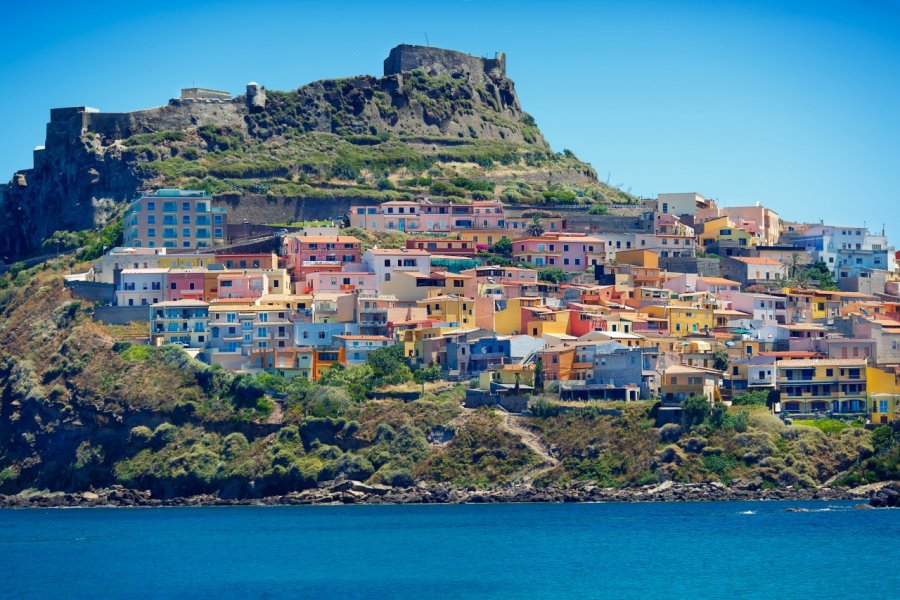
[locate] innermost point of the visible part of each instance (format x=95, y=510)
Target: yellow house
x=482, y=239
x=185, y=261
x=640, y=258
x=408, y=286
x=507, y=375
x=685, y=320
x=680, y=382
x=884, y=409
x=541, y=320
x=724, y=229
x=412, y=339
x=884, y=395
x=836, y=385
x=450, y=309
x=507, y=315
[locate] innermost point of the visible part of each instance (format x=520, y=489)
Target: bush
x=234, y=444
x=553, y=275
x=140, y=436
x=694, y=411
x=670, y=432
x=246, y=391
x=164, y=434
x=754, y=398
x=718, y=464
x=544, y=408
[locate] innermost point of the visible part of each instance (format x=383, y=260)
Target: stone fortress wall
x=406, y=57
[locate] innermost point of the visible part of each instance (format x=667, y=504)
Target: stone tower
x=256, y=96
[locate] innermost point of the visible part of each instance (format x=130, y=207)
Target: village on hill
x=674, y=299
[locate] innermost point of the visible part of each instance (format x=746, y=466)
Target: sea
x=728, y=550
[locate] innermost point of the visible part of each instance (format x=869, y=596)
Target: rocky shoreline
x=354, y=492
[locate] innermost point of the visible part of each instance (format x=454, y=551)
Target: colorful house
x=570, y=252
x=836, y=386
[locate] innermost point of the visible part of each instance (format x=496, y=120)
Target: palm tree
x=794, y=264
x=538, y=374
x=801, y=278
x=518, y=380
x=536, y=227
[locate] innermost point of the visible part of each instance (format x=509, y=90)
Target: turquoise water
x=701, y=550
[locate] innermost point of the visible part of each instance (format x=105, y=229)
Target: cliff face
x=361, y=135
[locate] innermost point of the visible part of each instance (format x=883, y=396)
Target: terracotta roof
x=756, y=260
x=719, y=280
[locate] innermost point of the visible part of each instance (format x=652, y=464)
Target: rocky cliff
x=433, y=116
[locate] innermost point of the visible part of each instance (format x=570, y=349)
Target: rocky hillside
x=81, y=409
x=438, y=123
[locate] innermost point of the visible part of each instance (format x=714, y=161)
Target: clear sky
x=792, y=103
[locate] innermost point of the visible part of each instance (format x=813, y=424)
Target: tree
x=720, y=360
x=246, y=391
x=694, y=411
x=598, y=209
x=388, y=365
x=427, y=374
x=883, y=439
x=820, y=272
x=535, y=227
x=518, y=382
x=504, y=247
x=552, y=275
x=794, y=264
x=539, y=372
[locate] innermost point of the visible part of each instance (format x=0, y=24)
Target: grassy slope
x=77, y=409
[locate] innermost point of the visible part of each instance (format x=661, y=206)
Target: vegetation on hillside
x=80, y=408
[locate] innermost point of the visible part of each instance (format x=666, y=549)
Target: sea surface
x=678, y=550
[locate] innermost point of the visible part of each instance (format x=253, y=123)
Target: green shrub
x=140, y=436
x=754, y=398
x=542, y=408
x=164, y=434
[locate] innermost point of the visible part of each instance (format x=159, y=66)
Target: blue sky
x=791, y=103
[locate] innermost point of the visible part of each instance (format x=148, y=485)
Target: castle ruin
x=436, y=61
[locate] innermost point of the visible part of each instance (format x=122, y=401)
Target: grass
x=830, y=426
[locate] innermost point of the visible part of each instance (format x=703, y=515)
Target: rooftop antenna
x=427, y=43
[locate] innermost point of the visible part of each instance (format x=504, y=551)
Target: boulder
x=886, y=497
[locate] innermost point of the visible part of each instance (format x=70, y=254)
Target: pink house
x=424, y=216
x=308, y=254
x=185, y=284
x=571, y=252
x=243, y=285
x=341, y=281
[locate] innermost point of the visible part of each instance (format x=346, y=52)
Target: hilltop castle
x=406, y=57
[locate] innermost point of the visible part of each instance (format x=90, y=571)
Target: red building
x=317, y=253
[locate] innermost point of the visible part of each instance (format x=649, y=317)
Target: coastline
x=354, y=492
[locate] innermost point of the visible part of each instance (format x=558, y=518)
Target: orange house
x=558, y=363
x=324, y=359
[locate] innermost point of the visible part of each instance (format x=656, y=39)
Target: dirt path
x=513, y=425
x=276, y=417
